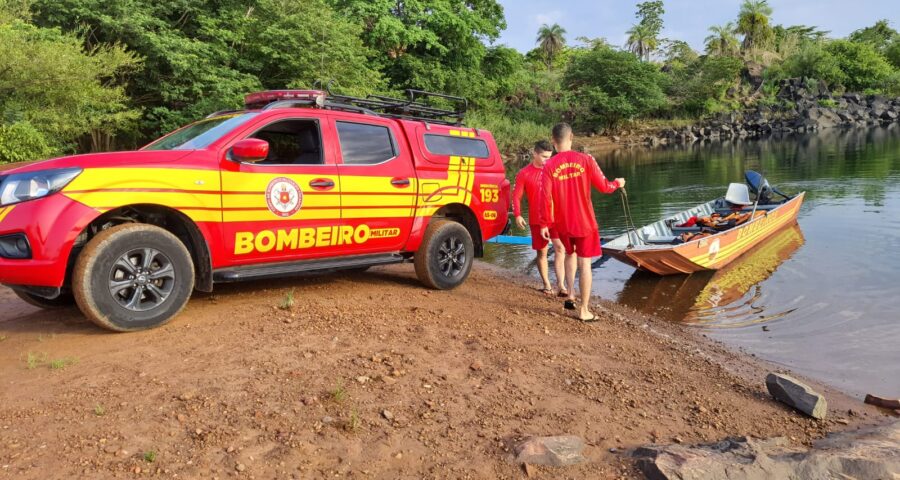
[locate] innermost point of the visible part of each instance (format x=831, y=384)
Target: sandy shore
x=370, y=376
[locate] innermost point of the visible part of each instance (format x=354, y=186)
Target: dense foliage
x=85, y=75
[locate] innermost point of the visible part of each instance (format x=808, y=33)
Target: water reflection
x=727, y=298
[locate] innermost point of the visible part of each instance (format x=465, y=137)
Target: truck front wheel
x=133, y=277
x=445, y=257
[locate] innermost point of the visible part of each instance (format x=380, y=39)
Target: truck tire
x=133, y=277
x=445, y=258
x=64, y=300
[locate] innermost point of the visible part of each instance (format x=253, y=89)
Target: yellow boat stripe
x=727, y=252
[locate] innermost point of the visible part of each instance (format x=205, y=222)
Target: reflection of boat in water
x=699, y=297
x=680, y=244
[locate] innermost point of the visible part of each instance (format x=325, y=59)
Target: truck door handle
x=322, y=184
x=400, y=182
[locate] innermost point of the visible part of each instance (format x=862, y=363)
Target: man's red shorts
x=537, y=241
x=588, y=246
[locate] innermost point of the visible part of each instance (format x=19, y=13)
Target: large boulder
x=823, y=117
x=872, y=454
x=797, y=394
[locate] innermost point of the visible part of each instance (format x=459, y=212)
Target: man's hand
x=545, y=232
x=520, y=222
x=621, y=182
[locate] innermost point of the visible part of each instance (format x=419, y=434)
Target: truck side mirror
x=249, y=150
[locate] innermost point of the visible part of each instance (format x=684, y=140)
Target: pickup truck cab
x=301, y=181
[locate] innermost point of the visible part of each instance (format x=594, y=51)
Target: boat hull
x=713, y=252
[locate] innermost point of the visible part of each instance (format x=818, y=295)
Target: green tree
x=753, y=24
x=609, y=87
x=892, y=53
x=201, y=55
x=437, y=45
x=722, y=41
x=641, y=42
x=54, y=93
x=551, y=40
x=700, y=88
x=812, y=60
x=880, y=35
x=643, y=38
x=863, y=66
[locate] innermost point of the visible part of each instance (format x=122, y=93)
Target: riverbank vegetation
x=93, y=75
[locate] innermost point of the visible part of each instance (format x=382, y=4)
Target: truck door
x=288, y=206
x=378, y=183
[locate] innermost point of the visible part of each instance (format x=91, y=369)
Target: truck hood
x=138, y=158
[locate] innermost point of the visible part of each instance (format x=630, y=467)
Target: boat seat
x=660, y=239
x=680, y=230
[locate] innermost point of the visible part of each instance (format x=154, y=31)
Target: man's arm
x=600, y=182
x=518, y=192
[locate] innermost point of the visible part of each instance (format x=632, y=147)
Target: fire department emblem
x=283, y=196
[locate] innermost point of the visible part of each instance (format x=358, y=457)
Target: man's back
x=567, y=181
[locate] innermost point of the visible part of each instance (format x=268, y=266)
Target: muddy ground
x=369, y=376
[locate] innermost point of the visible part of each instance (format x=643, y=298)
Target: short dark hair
x=561, y=131
x=542, y=146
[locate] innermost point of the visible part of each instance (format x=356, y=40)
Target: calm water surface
x=822, y=298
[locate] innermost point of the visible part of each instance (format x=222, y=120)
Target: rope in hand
x=629, y=220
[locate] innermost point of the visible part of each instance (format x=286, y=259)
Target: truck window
x=292, y=142
x=200, y=134
x=364, y=144
x=456, y=146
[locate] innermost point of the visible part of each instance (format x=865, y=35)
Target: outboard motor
x=759, y=186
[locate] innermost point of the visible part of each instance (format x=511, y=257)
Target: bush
x=701, y=87
x=610, y=87
x=513, y=136
x=20, y=142
x=812, y=60
x=863, y=66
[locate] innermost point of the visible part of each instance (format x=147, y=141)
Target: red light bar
x=261, y=99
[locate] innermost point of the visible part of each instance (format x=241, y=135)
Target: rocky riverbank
x=802, y=106
x=372, y=376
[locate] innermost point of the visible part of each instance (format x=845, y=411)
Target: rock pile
x=803, y=106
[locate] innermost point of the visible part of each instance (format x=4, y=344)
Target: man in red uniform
x=528, y=182
x=566, y=190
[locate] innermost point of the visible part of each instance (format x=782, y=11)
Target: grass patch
x=34, y=360
x=827, y=103
x=287, y=302
x=61, y=363
x=339, y=394
x=150, y=456
x=354, y=423
x=99, y=410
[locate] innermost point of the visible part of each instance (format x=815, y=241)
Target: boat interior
x=702, y=221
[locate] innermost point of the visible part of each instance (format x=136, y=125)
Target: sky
x=684, y=19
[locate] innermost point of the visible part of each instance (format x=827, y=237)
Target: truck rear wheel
x=133, y=277
x=64, y=300
x=445, y=257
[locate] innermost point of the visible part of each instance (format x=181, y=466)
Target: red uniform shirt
x=566, y=193
x=528, y=182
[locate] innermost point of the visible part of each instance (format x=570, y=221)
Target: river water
x=821, y=298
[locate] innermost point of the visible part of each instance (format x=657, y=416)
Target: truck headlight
x=20, y=187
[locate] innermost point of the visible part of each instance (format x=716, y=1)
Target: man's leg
x=543, y=268
x=559, y=264
x=571, y=270
x=587, y=280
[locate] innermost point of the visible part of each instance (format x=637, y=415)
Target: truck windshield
x=200, y=134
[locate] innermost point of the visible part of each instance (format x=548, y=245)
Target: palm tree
x=753, y=23
x=641, y=41
x=722, y=42
x=551, y=40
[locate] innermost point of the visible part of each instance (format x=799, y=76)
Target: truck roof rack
x=419, y=104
